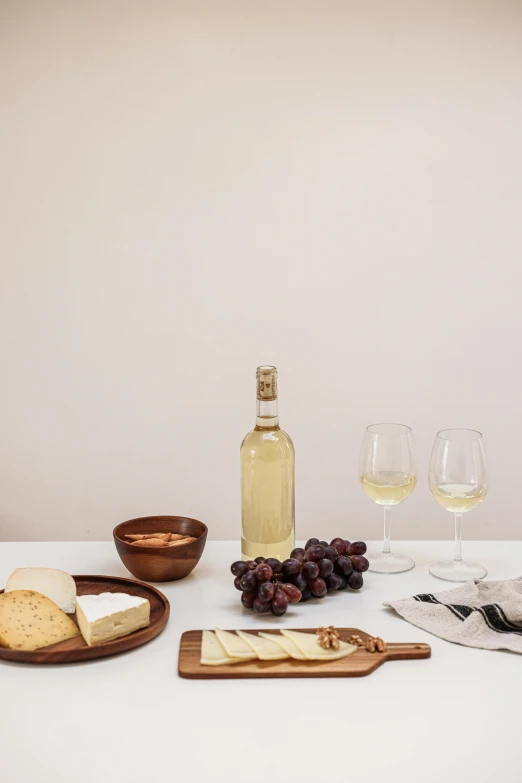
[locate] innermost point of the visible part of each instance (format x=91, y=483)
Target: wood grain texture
x=74, y=650
x=359, y=664
x=162, y=564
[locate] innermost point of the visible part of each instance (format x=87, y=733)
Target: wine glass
x=387, y=476
x=458, y=482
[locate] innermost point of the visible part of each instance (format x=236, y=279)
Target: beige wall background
x=190, y=189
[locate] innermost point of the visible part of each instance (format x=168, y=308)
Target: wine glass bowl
x=387, y=476
x=458, y=482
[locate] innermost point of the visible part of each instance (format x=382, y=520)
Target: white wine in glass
x=387, y=476
x=458, y=482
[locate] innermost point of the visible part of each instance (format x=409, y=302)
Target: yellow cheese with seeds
x=29, y=620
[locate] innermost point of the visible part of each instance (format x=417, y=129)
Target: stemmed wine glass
x=458, y=481
x=387, y=476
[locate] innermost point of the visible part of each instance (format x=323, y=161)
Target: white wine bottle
x=267, y=479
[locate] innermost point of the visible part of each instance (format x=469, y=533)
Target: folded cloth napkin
x=477, y=614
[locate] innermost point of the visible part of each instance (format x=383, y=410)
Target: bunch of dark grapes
x=262, y=586
x=320, y=568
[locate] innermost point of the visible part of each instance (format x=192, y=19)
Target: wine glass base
x=390, y=563
x=457, y=572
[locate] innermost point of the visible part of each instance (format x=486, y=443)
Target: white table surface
x=455, y=717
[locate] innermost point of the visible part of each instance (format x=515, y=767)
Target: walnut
x=356, y=640
x=328, y=637
x=375, y=644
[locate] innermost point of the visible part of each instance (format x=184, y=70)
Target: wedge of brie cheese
x=108, y=616
x=213, y=653
x=308, y=644
x=263, y=646
x=57, y=585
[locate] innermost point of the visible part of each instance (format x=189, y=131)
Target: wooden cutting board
x=358, y=664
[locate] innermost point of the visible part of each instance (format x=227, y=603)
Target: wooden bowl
x=164, y=564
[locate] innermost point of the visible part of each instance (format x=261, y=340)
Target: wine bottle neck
x=267, y=415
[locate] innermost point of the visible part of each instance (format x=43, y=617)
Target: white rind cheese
x=234, y=646
x=264, y=647
x=57, y=585
x=213, y=653
x=108, y=616
x=308, y=644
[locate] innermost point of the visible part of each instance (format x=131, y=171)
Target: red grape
x=324, y=544
x=355, y=580
x=266, y=591
x=344, y=565
x=248, y=598
x=237, y=581
x=260, y=606
x=318, y=587
x=360, y=563
x=310, y=570
x=300, y=581
x=248, y=581
x=325, y=567
x=239, y=568
x=331, y=553
x=315, y=553
x=306, y=594
x=311, y=542
x=292, y=593
x=357, y=548
x=291, y=566
x=339, y=544
x=263, y=573
x=334, y=583
x=344, y=582
x=279, y=603
x=251, y=564
x=259, y=560
x=347, y=543
x=274, y=564
x=297, y=554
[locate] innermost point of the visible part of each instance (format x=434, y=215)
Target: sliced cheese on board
x=286, y=644
x=30, y=620
x=108, y=616
x=234, y=646
x=57, y=585
x=309, y=645
x=213, y=653
x=263, y=646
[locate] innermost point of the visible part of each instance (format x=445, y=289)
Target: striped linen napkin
x=477, y=614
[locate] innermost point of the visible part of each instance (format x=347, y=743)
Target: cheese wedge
x=108, y=616
x=263, y=646
x=57, y=585
x=213, y=653
x=285, y=644
x=234, y=646
x=309, y=645
x=30, y=620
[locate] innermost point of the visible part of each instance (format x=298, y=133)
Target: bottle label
x=267, y=387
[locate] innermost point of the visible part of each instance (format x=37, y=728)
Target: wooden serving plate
x=358, y=664
x=74, y=650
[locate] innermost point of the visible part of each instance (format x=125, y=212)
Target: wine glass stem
x=457, y=557
x=387, y=525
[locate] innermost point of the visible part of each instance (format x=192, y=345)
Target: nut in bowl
x=160, y=548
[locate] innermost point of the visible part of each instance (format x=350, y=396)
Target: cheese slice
x=286, y=644
x=234, y=646
x=263, y=646
x=309, y=645
x=213, y=653
x=57, y=585
x=30, y=620
x=108, y=616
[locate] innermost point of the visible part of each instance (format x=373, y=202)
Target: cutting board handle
x=399, y=651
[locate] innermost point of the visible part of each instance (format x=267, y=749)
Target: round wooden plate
x=74, y=650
